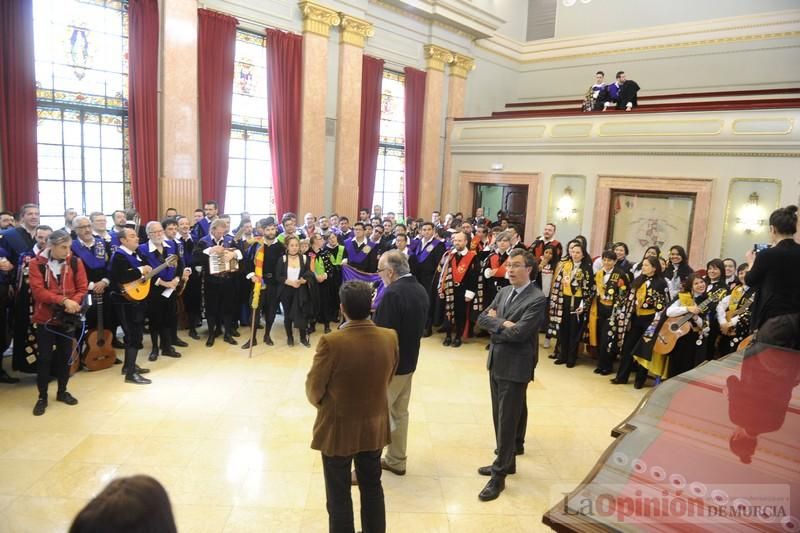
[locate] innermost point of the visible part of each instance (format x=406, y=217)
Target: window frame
x=379, y=192
x=47, y=100
x=246, y=129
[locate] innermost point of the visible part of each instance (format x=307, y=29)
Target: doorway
x=511, y=199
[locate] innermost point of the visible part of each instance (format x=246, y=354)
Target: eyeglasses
x=81, y=227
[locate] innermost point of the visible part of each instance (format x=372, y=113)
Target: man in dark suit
x=348, y=384
x=403, y=308
x=513, y=319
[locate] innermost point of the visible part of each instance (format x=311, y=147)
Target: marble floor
x=229, y=438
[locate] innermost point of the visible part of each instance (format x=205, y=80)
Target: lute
x=137, y=290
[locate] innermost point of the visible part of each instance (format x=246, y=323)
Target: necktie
x=511, y=298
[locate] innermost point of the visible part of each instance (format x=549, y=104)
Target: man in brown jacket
x=348, y=383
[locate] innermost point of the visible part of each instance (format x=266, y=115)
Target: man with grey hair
x=219, y=288
x=403, y=308
x=162, y=302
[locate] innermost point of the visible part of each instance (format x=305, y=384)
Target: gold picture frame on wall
x=644, y=219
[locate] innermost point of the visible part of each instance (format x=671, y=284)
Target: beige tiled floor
x=228, y=436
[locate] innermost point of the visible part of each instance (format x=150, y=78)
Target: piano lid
x=715, y=448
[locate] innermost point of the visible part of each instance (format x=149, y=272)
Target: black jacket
x=774, y=276
x=404, y=308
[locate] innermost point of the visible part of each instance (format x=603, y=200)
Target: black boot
x=177, y=341
x=289, y=333
x=268, y=339
x=304, y=339
x=193, y=334
x=166, y=346
x=154, y=340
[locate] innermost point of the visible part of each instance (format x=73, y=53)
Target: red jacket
x=47, y=293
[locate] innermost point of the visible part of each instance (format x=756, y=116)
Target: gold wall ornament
x=355, y=31
x=437, y=57
x=461, y=65
x=317, y=18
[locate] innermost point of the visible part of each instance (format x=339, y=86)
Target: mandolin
x=137, y=290
x=676, y=327
x=99, y=353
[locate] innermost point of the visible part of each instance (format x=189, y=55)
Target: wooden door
x=512, y=199
x=515, y=204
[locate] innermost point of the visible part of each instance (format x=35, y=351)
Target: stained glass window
x=249, y=185
x=81, y=54
x=390, y=174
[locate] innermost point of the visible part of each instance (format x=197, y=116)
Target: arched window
x=81, y=51
x=390, y=173
x=249, y=187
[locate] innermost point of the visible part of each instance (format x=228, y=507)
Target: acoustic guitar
x=676, y=327
x=730, y=314
x=137, y=290
x=99, y=353
x=747, y=341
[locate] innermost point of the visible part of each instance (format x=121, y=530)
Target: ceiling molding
x=460, y=15
x=775, y=25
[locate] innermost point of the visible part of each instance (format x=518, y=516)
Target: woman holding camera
x=773, y=274
x=58, y=285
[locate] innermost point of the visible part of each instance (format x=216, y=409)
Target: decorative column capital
x=461, y=65
x=354, y=30
x=318, y=18
x=436, y=57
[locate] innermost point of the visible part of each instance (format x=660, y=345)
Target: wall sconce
x=751, y=216
x=565, y=208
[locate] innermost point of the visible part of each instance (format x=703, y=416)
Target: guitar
x=676, y=327
x=743, y=307
x=137, y=290
x=99, y=353
x=747, y=341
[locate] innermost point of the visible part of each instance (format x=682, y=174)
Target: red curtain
x=414, y=114
x=371, y=78
x=216, y=52
x=18, y=104
x=284, y=102
x=143, y=105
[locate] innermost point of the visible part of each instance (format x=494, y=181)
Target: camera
x=760, y=247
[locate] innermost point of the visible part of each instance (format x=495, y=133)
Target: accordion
x=217, y=265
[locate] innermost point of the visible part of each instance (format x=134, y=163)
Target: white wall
x=600, y=16
x=735, y=65
x=492, y=84
x=514, y=12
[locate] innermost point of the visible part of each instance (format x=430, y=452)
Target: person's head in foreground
x=136, y=504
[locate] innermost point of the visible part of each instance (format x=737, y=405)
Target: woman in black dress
x=293, y=275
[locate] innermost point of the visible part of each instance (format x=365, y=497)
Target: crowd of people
x=609, y=306
x=464, y=278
